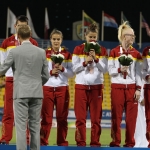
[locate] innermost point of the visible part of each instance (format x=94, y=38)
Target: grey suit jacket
x=30, y=69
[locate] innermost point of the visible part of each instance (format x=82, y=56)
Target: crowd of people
x=35, y=83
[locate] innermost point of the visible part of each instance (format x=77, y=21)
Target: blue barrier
x=13, y=147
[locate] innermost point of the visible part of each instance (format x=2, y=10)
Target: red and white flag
x=46, y=24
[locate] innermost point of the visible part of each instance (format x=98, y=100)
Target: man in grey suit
x=30, y=71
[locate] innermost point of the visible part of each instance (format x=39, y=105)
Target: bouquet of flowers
x=92, y=45
x=57, y=58
x=125, y=60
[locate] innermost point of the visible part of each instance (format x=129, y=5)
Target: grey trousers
x=27, y=110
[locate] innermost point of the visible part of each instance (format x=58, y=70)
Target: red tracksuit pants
x=8, y=115
x=58, y=97
x=147, y=110
x=88, y=98
x=123, y=99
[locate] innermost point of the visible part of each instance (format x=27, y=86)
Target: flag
x=34, y=35
x=107, y=21
x=86, y=21
x=110, y=21
x=145, y=25
x=11, y=20
x=46, y=25
x=123, y=19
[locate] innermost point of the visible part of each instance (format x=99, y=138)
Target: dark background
x=62, y=13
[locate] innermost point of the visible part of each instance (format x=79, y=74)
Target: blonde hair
x=125, y=25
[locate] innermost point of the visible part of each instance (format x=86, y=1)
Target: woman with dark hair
x=89, y=64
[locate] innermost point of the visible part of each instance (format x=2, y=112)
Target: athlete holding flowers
x=56, y=91
x=89, y=64
x=125, y=90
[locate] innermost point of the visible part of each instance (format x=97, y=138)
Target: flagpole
x=7, y=22
x=26, y=11
x=44, y=25
x=102, y=27
x=122, y=17
x=82, y=24
x=140, y=31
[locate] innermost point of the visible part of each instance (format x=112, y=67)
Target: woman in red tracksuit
x=146, y=78
x=125, y=87
x=56, y=92
x=89, y=69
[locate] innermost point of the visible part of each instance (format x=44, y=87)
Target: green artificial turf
x=104, y=139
